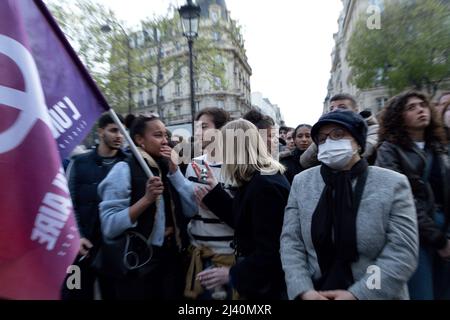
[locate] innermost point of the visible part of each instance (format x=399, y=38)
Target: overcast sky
x=288, y=44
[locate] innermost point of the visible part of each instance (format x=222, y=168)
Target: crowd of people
x=353, y=207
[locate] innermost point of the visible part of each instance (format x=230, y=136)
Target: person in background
x=291, y=160
x=290, y=145
x=267, y=129
x=282, y=138
x=153, y=208
x=414, y=144
x=85, y=172
x=346, y=102
x=446, y=120
x=444, y=98
x=210, y=237
x=255, y=212
x=128, y=122
x=283, y=132
x=340, y=227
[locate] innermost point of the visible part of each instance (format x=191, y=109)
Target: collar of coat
x=151, y=162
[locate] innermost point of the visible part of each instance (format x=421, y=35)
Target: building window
x=197, y=106
x=141, y=99
x=381, y=102
x=177, y=89
x=161, y=95
x=379, y=76
x=220, y=104
x=140, y=39
x=150, y=97
x=178, y=110
x=216, y=36
x=214, y=14
x=217, y=82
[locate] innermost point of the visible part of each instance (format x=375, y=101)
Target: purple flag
x=47, y=102
x=73, y=99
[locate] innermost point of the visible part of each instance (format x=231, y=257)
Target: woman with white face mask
x=350, y=230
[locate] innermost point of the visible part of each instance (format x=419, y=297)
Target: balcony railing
x=174, y=119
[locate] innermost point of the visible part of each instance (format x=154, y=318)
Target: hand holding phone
x=205, y=174
x=197, y=180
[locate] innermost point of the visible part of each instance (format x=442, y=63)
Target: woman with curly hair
x=413, y=143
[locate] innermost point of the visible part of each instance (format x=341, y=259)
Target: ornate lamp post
x=190, y=16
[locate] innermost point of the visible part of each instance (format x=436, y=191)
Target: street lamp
x=190, y=15
x=106, y=28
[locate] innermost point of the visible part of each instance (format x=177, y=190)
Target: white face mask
x=336, y=154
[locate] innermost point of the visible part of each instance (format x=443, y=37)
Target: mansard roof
x=204, y=6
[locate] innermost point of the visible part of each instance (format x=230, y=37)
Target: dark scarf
x=336, y=215
x=296, y=153
x=167, y=196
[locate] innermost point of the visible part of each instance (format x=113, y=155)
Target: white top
x=205, y=223
x=420, y=144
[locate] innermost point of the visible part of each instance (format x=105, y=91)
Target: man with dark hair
x=283, y=132
x=85, y=172
x=282, y=138
x=218, y=116
x=342, y=102
x=265, y=123
x=205, y=119
x=129, y=120
x=210, y=237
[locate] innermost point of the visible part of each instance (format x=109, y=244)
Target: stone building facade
x=341, y=73
x=233, y=94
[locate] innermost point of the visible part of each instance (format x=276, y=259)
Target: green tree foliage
x=84, y=31
x=122, y=59
x=411, y=50
x=164, y=57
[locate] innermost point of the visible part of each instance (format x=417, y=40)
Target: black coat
x=411, y=162
x=292, y=163
x=256, y=213
x=85, y=174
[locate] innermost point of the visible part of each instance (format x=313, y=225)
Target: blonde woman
x=256, y=213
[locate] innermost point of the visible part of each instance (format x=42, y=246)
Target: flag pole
x=130, y=142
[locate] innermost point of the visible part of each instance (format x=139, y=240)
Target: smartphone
x=196, y=180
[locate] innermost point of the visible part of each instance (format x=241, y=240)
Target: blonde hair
x=245, y=152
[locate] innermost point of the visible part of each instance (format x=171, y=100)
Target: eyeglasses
x=335, y=134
